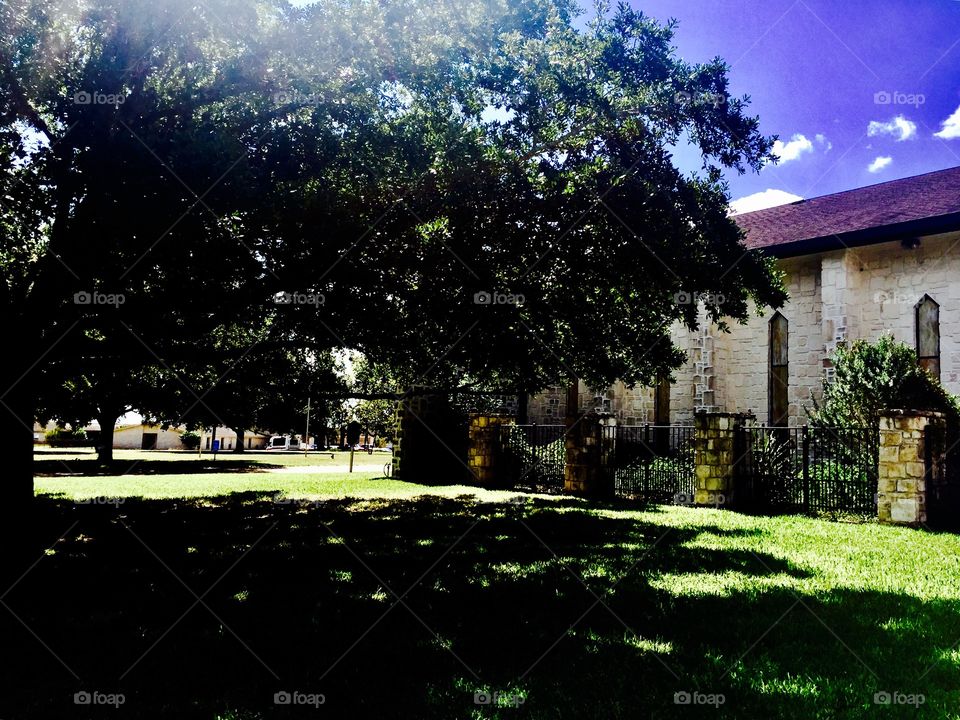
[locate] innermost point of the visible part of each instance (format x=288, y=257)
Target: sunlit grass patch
x=723, y=584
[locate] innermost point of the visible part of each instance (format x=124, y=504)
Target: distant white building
x=138, y=435
x=252, y=440
x=147, y=437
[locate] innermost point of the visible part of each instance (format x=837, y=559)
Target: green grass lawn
x=582, y=610
x=52, y=461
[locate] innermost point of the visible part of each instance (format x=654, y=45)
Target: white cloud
x=879, y=164
x=798, y=145
x=762, y=200
x=951, y=127
x=899, y=126
x=823, y=142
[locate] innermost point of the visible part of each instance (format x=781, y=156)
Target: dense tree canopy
x=479, y=192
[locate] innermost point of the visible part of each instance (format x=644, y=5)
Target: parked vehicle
x=282, y=442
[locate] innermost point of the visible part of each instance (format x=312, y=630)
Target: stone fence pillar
x=911, y=465
x=485, y=456
x=431, y=443
x=586, y=442
x=718, y=455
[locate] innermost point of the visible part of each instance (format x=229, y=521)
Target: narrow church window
x=661, y=414
x=928, y=335
x=661, y=401
x=779, y=371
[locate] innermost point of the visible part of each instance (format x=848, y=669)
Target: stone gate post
x=911, y=465
x=585, y=472
x=718, y=455
x=431, y=444
x=485, y=456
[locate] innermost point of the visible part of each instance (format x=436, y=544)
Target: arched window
x=928, y=335
x=779, y=374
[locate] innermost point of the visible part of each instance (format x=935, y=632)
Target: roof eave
x=869, y=236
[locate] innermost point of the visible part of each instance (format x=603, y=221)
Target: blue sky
x=857, y=90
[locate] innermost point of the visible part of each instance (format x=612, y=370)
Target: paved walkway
x=318, y=469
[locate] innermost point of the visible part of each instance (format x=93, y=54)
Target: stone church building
x=879, y=259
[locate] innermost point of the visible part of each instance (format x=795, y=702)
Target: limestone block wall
x=903, y=471
x=841, y=282
x=742, y=355
x=837, y=296
x=683, y=390
x=548, y=407
x=892, y=279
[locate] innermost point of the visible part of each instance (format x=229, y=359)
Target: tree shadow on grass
x=407, y=608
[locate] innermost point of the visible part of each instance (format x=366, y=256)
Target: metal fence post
x=806, y=469
x=648, y=465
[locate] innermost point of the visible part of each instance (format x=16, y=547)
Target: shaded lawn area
x=405, y=606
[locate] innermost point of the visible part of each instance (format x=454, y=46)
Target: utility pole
x=306, y=437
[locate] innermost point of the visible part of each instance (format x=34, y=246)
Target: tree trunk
x=107, y=423
x=16, y=427
x=523, y=413
x=19, y=531
x=573, y=399
x=239, y=446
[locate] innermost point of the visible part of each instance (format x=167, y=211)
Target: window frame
x=930, y=363
x=778, y=374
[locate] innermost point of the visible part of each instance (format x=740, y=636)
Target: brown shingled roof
x=857, y=216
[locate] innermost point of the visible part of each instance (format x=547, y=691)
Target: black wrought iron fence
x=534, y=456
x=809, y=469
x=654, y=463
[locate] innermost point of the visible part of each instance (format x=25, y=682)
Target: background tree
x=105, y=393
x=376, y=415
x=540, y=167
x=259, y=379
x=121, y=137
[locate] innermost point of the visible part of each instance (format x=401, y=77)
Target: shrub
x=65, y=437
x=772, y=465
x=872, y=377
x=190, y=440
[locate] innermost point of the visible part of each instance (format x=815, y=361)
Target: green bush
x=65, y=437
x=772, y=465
x=190, y=440
x=872, y=377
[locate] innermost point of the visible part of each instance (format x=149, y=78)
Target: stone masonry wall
x=893, y=279
x=742, y=354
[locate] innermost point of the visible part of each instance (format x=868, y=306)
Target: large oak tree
x=406, y=161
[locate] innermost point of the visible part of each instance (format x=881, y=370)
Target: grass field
x=152, y=474
x=394, y=599
x=84, y=460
